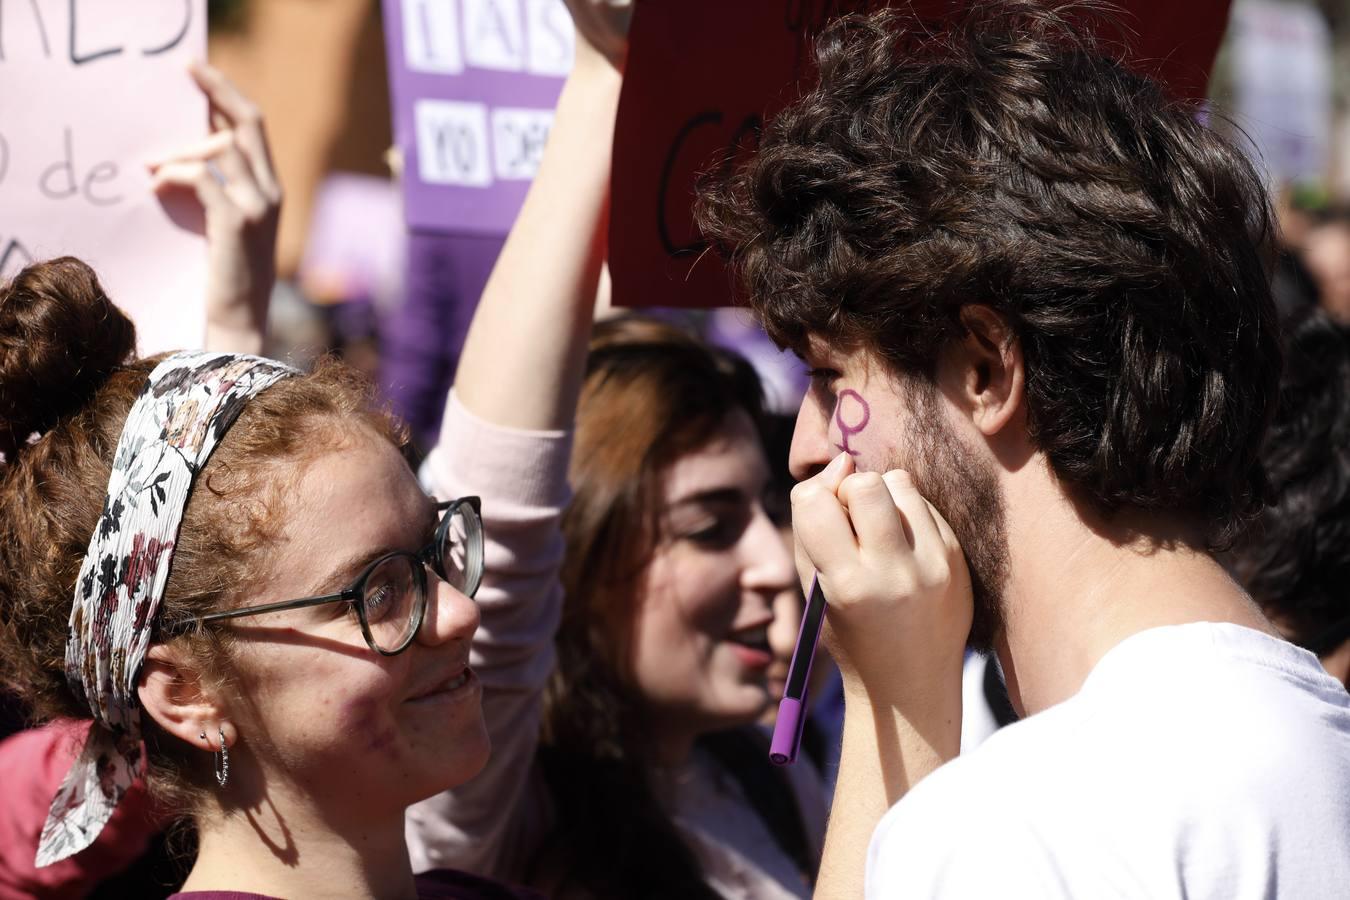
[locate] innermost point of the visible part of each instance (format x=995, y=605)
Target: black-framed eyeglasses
x=390, y=594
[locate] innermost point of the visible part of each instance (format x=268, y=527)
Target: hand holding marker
x=787, y=728
x=912, y=577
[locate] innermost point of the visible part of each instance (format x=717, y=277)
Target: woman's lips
x=751, y=657
x=752, y=646
x=455, y=688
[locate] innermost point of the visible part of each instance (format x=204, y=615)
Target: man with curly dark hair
x=1033, y=293
x=1295, y=558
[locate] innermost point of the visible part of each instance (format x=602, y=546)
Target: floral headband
x=190, y=400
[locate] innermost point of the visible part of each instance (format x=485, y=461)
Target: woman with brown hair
x=225, y=569
x=624, y=688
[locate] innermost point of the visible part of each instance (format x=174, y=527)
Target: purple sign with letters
x=474, y=84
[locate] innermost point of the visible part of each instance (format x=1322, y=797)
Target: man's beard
x=965, y=490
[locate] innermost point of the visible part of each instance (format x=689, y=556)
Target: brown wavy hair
x=1005, y=160
x=652, y=393
x=68, y=373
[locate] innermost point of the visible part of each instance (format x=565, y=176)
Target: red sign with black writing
x=704, y=75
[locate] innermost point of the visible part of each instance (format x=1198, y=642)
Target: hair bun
x=60, y=339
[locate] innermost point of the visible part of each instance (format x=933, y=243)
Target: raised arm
x=507, y=438
x=522, y=362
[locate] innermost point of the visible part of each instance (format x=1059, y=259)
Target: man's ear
x=987, y=370
x=173, y=692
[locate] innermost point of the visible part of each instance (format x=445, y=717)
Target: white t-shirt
x=1197, y=761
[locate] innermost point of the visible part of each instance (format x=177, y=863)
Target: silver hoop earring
x=222, y=760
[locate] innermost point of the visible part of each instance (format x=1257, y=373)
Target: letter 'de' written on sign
x=474, y=84
x=94, y=90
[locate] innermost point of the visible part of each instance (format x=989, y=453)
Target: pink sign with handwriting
x=93, y=91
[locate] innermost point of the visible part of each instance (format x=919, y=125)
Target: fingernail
x=837, y=463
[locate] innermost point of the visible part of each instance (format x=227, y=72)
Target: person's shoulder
x=1218, y=686
x=1263, y=722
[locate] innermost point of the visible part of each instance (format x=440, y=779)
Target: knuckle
x=865, y=481
x=256, y=208
x=860, y=484
x=805, y=492
x=899, y=479
x=846, y=590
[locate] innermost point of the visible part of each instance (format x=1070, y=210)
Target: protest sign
x=1282, y=72
x=474, y=84
x=704, y=75
x=94, y=91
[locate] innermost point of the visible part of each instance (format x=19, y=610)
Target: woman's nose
x=450, y=615
x=769, y=567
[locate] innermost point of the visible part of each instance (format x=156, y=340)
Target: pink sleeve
x=33, y=764
x=490, y=825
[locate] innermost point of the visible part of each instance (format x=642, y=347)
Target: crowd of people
x=1082, y=552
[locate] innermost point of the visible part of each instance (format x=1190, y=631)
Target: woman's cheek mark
x=362, y=721
x=851, y=415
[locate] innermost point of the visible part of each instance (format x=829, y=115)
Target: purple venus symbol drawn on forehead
x=856, y=421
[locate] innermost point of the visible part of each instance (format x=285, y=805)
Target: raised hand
x=232, y=176
x=602, y=26
x=894, y=575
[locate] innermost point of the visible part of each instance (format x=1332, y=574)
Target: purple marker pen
x=787, y=728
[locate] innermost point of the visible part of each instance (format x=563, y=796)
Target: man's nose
x=811, y=448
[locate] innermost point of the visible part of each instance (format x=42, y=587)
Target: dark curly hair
x=1295, y=559
x=1006, y=161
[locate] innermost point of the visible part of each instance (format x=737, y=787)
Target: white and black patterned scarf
x=188, y=403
